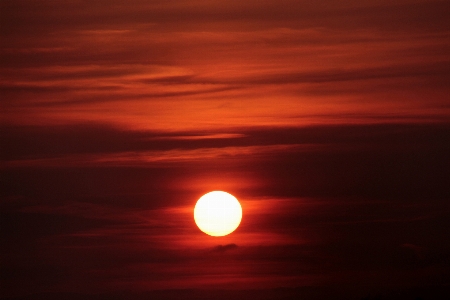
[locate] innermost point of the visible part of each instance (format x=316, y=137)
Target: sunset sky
x=329, y=121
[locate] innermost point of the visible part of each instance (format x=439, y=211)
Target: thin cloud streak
x=142, y=159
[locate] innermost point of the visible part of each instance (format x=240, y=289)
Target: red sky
x=328, y=120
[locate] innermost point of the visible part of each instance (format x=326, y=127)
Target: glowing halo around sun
x=218, y=213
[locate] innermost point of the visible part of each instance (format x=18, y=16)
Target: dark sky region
x=329, y=120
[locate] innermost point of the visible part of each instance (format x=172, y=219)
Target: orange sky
x=229, y=63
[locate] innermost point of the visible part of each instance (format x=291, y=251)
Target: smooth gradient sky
x=328, y=120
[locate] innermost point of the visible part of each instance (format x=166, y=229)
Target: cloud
x=286, y=161
x=95, y=138
x=134, y=74
x=224, y=248
x=101, y=14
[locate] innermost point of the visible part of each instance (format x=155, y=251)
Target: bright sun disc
x=217, y=213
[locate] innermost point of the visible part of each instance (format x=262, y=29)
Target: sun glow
x=217, y=213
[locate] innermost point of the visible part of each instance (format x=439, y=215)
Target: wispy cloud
x=239, y=57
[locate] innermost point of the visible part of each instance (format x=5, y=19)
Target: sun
x=218, y=213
